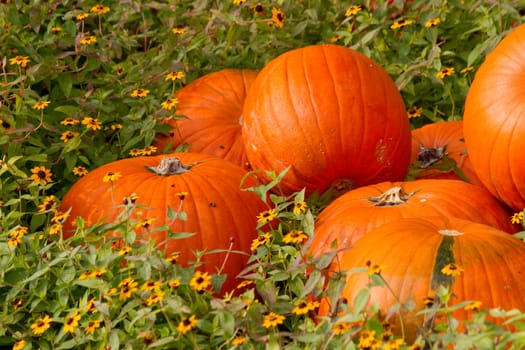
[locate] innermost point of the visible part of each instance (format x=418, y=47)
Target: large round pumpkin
x=212, y=107
x=349, y=217
x=494, y=115
x=206, y=188
x=413, y=257
x=331, y=115
x=439, y=152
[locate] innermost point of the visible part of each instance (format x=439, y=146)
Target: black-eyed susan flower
x=428, y=301
x=124, y=251
x=299, y=207
x=445, y=72
x=48, y=203
x=55, y=229
x=258, y=9
x=278, y=17
x=92, y=326
x=146, y=222
x=467, y=70
x=172, y=259
x=91, y=123
x=400, y=23
x=18, y=303
x=21, y=61
x=135, y=152
x=340, y=328
x=88, y=274
x=517, y=218
x=174, y=283
x=303, y=307
x=260, y=240
x=353, y=10
x=239, y=340
x=267, y=216
x=82, y=16
x=127, y=287
x=367, y=340
x=68, y=135
x=99, y=9
x=181, y=195
x=147, y=337
x=244, y=284
x=273, y=320
x=178, y=30
x=151, y=285
x=111, y=176
x=176, y=75
x=414, y=112
x=41, y=175
x=432, y=22
x=375, y=269
x=200, y=281
x=187, y=324
x=238, y=2
x=56, y=29
x=170, y=103
x=71, y=322
x=90, y=306
x=19, y=345
x=88, y=40
x=335, y=38
x=69, y=121
x=149, y=150
x=393, y=344
x=137, y=93
x=41, y=105
x=473, y=306
x=295, y=236
x=80, y=170
x=16, y=235
x=116, y=127
x=154, y=298
x=41, y=325
x=452, y=270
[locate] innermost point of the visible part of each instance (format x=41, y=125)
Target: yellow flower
x=92, y=326
x=340, y=328
x=111, y=176
x=367, y=340
x=295, y=236
x=59, y=217
x=116, y=127
x=88, y=40
x=445, y=72
x=21, y=61
x=353, y=10
x=68, y=135
x=467, y=70
x=149, y=150
x=41, y=105
x=200, y=281
x=147, y=337
x=82, y=16
x=15, y=236
x=261, y=240
x=244, y=283
x=187, y=324
x=174, y=283
x=48, y=204
x=139, y=93
x=155, y=298
x=19, y=345
x=414, y=112
x=181, y=195
x=172, y=259
x=135, y=152
x=17, y=303
x=55, y=229
x=92, y=123
x=100, y=9
x=56, y=29
x=90, y=306
x=178, y=30
x=428, y=301
x=258, y=9
x=303, y=307
x=432, y=22
x=170, y=103
x=151, y=285
x=178, y=75
x=69, y=121
x=400, y=23
x=41, y=175
x=452, y=270
x=124, y=251
x=335, y=38
x=80, y=170
x=127, y=287
x=41, y=325
x=272, y=320
x=299, y=207
x=517, y=218
x=71, y=322
x=473, y=306
x=393, y=344
x=375, y=269
x=145, y=223
x=267, y=216
x=278, y=17
x=238, y=2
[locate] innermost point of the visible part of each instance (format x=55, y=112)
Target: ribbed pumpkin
x=206, y=188
x=212, y=105
x=414, y=252
x=332, y=115
x=349, y=217
x=432, y=143
x=494, y=117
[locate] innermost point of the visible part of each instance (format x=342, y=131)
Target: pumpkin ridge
x=444, y=256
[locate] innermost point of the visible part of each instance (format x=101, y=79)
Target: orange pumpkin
x=206, y=188
x=433, y=143
x=493, y=120
x=212, y=106
x=349, y=217
x=331, y=115
x=413, y=257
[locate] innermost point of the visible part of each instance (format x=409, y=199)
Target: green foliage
x=77, y=93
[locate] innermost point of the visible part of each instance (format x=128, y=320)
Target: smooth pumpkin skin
x=410, y=250
x=218, y=211
x=329, y=113
x=437, y=135
x=494, y=120
x=213, y=107
x=350, y=217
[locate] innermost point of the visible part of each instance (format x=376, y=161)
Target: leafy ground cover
x=86, y=83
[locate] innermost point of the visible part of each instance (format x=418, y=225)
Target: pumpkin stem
x=430, y=155
x=171, y=166
x=391, y=197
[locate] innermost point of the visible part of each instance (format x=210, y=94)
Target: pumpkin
x=439, y=147
x=221, y=215
x=331, y=115
x=212, y=108
x=413, y=257
x=493, y=120
x=349, y=217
